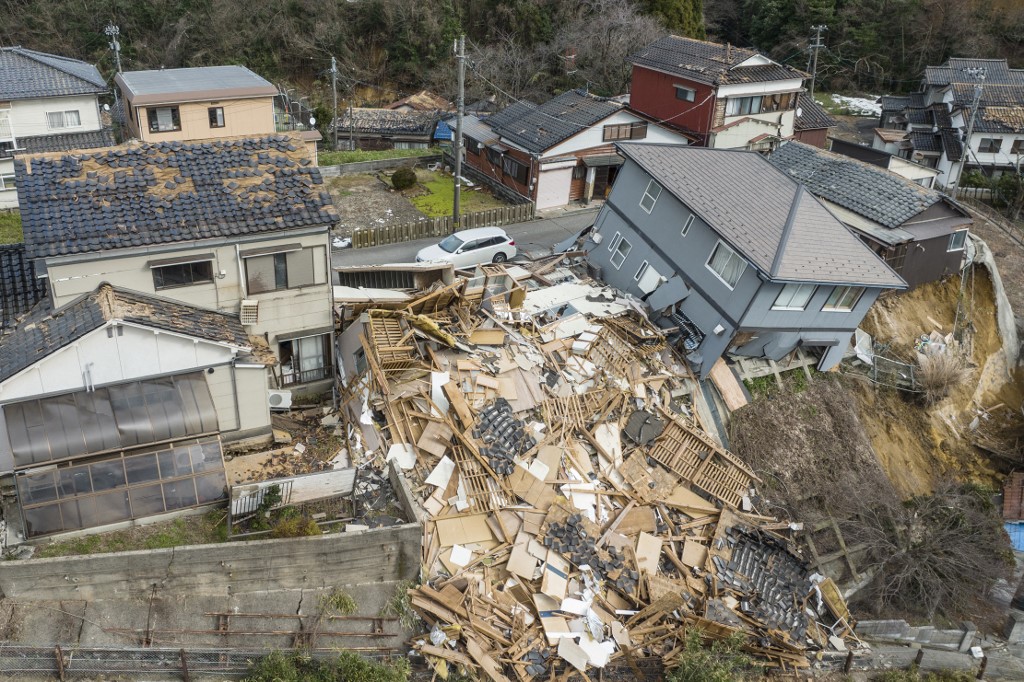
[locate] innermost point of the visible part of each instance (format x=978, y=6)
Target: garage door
x=553, y=187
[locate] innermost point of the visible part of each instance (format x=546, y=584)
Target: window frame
x=744, y=105
x=733, y=253
x=992, y=141
x=689, y=94
x=217, y=122
x=63, y=119
x=686, y=225
x=472, y=145
x=321, y=373
x=950, y=248
x=8, y=182
x=494, y=157
x=614, y=242
x=191, y=267
x=613, y=132
x=833, y=304
x=653, y=197
x=623, y=254
x=1017, y=147
x=789, y=306
x=152, y=119
x=641, y=271
x=513, y=168
x=280, y=268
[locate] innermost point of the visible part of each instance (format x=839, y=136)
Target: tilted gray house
x=919, y=232
x=735, y=254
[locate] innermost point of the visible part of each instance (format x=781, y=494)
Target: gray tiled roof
x=20, y=289
x=67, y=142
x=707, y=62
x=925, y=141
x=894, y=102
x=951, y=144
x=554, y=121
x=475, y=128
x=763, y=213
x=390, y=122
x=510, y=114
x=1000, y=120
x=812, y=115
x=27, y=74
x=47, y=331
x=867, y=190
x=154, y=193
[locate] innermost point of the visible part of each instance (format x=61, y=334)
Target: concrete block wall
x=372, y=556
x=900, y=631
x=380, y=164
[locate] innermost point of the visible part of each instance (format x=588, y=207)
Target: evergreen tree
x=681, y=17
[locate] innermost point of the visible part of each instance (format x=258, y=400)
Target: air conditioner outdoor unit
x=280, y=400
x=249, y=312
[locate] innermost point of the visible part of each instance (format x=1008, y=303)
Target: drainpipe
x=241, y=273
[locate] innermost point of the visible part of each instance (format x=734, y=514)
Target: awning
x=268, y=250
x=181, y=260
x=603, y=160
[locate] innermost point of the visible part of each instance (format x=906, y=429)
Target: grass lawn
x=440, y=194
x=10, y=227
x=335, y=158
x=190, y=530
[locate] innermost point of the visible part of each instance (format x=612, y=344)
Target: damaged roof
x=45, y=330
x=390, y=122
x=784, y=231
x=157, y=193
x=712, y=63
x=424, y=100
x=41, y=144
x=27, y=74
x=811, y=116
x=20, y=288
x=870, y=191
x=539, y=128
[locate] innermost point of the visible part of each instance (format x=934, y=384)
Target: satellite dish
x=106, y=107
x=312, y=121
x=799, y=111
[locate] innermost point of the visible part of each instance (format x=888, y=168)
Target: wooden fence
x=440, y=227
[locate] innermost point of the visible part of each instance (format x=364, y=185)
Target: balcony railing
x=291, y=378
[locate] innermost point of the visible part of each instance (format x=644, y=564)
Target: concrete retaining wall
x=371, y=556
x=381, y=164
x=901, y=631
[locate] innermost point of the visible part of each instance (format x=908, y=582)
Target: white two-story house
x=936, y=119
x=47, y=104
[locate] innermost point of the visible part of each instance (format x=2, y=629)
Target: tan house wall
x=249, y=117
x=280, y=312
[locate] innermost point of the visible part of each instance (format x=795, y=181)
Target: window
x=7, y=182
x=650, y=197
x=472, y=146
x=1018, y=147
x=776, y=102
x=895, y=256
x=63, y=119
x=182, y=274
x=216, y=117
x=163, y=119
x=843, y=299
x=6, y=149
x=579, y=172
x=741, y=106
x=686, y=226
x=727, y=264
x=957, y=241
x=625, y=131
x=516, y=170
x=493, y=156
x=641, y=271
x=622, y=250
x=684, y=93
x=305, y=359
x=287, y=270
x=615, y=241
x=794, y=297
x=989, y=145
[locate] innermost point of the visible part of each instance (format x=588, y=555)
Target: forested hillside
x=520, y=48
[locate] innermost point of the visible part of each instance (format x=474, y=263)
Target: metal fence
x=71, y=663
x=440, y=227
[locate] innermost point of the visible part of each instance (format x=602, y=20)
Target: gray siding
x=812, y=318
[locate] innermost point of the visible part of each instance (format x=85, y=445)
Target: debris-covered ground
x=578, y=512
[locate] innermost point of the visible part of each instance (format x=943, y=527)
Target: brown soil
x=919, y=447
x=1006, y=239
x=365, y=201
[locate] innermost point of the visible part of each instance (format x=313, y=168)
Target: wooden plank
x=728, y=386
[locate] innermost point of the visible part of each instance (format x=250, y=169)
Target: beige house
x=199, y=103
x=239, y=226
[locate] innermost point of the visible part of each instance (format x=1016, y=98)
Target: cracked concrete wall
x=1005, y=319
x=373, y=556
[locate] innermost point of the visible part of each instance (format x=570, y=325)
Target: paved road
x=534, y=238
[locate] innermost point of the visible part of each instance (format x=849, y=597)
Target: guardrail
x=440, y=227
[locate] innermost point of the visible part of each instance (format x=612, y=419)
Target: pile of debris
x=577, y=510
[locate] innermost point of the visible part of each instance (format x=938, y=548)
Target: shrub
x=404, y=178
x=295, y=667
x=294, y=527
x=940, y=373
x=723, y=661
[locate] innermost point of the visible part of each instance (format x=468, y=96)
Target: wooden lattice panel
x=693, y=456
x=482, y=492
x=611, y=352
x=392, y=343
x=575, y=410
x=641, y=335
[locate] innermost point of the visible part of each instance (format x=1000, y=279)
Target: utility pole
x=113, y=32
x=812, y=59
x=334, y=91
x=978, y=73
x=460, y=56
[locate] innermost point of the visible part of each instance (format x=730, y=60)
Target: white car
x=471, y=247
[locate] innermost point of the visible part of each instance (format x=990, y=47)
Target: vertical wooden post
x=184, y=666
x=849, y=662
x=60, y=662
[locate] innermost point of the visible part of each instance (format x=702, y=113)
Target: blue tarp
x=1016, y=533
x=443, y=131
